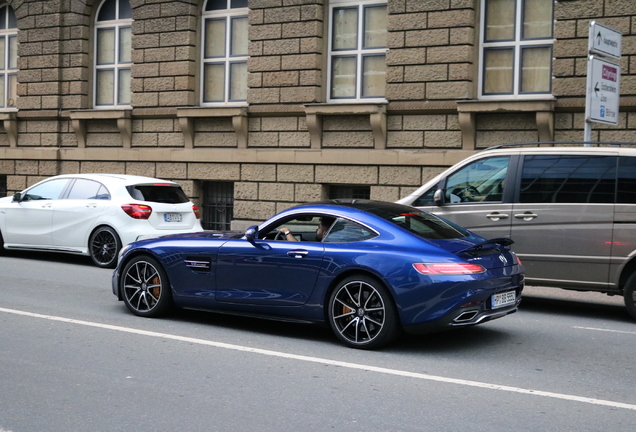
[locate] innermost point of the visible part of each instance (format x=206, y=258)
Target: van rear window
x=169, y=194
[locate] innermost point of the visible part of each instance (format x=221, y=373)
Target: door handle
x=526, y=216
x=49, y=205
x=91, y=205
x=495, y=216
x=298, y=253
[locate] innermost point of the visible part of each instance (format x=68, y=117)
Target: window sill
x=467, y=111
x=375, y=111
x=187, y=116
x=122, y=116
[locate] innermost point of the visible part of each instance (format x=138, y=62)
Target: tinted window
x=86, y=189
x=482, y=180
x=568, y=179
x=344, y=231
x=52, y=189
x=626, y=180
x=158, y=193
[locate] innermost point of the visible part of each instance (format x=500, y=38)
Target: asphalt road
x=73, y=359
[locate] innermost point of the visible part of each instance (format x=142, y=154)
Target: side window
x=568, y=179
x=480, y=181
x=346, y=231
x=626, y=180
x=113, y=48
x=46, y=191
x=87, y=189
x=305, y=228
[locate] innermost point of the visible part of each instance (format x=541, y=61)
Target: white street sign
x=603, y=91
x=604, y=40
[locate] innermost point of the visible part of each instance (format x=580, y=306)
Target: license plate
x=503, y=299
x=172, y=217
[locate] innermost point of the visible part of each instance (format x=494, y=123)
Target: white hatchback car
x=94, y=214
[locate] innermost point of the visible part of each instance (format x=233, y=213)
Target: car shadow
x=50, y=257
x=576, y=308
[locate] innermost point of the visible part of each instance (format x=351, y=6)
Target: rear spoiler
x=500, y=241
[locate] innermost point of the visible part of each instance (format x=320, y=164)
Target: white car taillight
x=137, y=211
x=196, y=211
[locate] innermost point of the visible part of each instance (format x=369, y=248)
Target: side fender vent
x=201, y=264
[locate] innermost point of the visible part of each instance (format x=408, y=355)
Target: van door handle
x=526, y=216
x=298, y=253
x=91, y=205
x=47, y=205
x=495, y=216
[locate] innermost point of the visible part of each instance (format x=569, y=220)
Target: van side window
x=480, y=181
x=568, y=179
x=626, y=180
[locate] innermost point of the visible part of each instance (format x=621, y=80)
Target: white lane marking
x=330, y=362
x=605, y=330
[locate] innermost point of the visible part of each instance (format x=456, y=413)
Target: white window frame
x=517, y=46
x=8, y=71
x=359, y=52
x=117, y=66
x=228, y=59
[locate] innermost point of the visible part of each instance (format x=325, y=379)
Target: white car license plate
x=503, y=299
x=172, y=217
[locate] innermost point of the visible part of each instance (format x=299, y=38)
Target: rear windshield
x=170, y=194
x=422, y=224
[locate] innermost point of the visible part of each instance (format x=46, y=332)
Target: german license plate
x=503, y=299
x=172, y=217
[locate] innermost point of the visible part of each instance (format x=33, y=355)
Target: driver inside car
x=323, y=228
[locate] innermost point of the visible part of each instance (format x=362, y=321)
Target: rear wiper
x=501, y=241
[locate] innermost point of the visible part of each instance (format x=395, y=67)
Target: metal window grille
x=346, y=191
x=3, y=186
x=218, y=205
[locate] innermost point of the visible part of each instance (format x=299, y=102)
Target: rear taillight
x=448, y=268
x=517, y=260
x=137, y=211
x=196, y=211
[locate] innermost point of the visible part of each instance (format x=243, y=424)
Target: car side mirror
x=251, y=233
x=438, y=197
x=17, y=197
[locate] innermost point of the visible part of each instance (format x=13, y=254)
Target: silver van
x=570, y=209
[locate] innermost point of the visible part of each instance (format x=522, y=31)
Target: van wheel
x=630, y=295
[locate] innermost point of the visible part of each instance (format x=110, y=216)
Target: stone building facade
x=299, y=127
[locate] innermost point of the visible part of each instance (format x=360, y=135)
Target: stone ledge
x=186, y=118
x=467, y=110
x=123, y=117
x=376, y=113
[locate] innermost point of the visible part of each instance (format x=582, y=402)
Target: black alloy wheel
x=629, y=294
x=362, y=314
x=145, y=288
x=104, y=246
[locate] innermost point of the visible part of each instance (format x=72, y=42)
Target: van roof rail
x=565, y=144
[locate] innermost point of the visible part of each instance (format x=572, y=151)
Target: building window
x=218, y=205
x=225, y=44
x=516, y=54
x=349, y=191
x=357, y=50
x=8, y=57
x=113, y=37
x=3, y=186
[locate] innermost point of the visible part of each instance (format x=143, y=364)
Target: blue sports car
x=369, y=269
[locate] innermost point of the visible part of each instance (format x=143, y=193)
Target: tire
x=361, y=313
x=104, y=246
x=629, y=293
x=145, y=288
